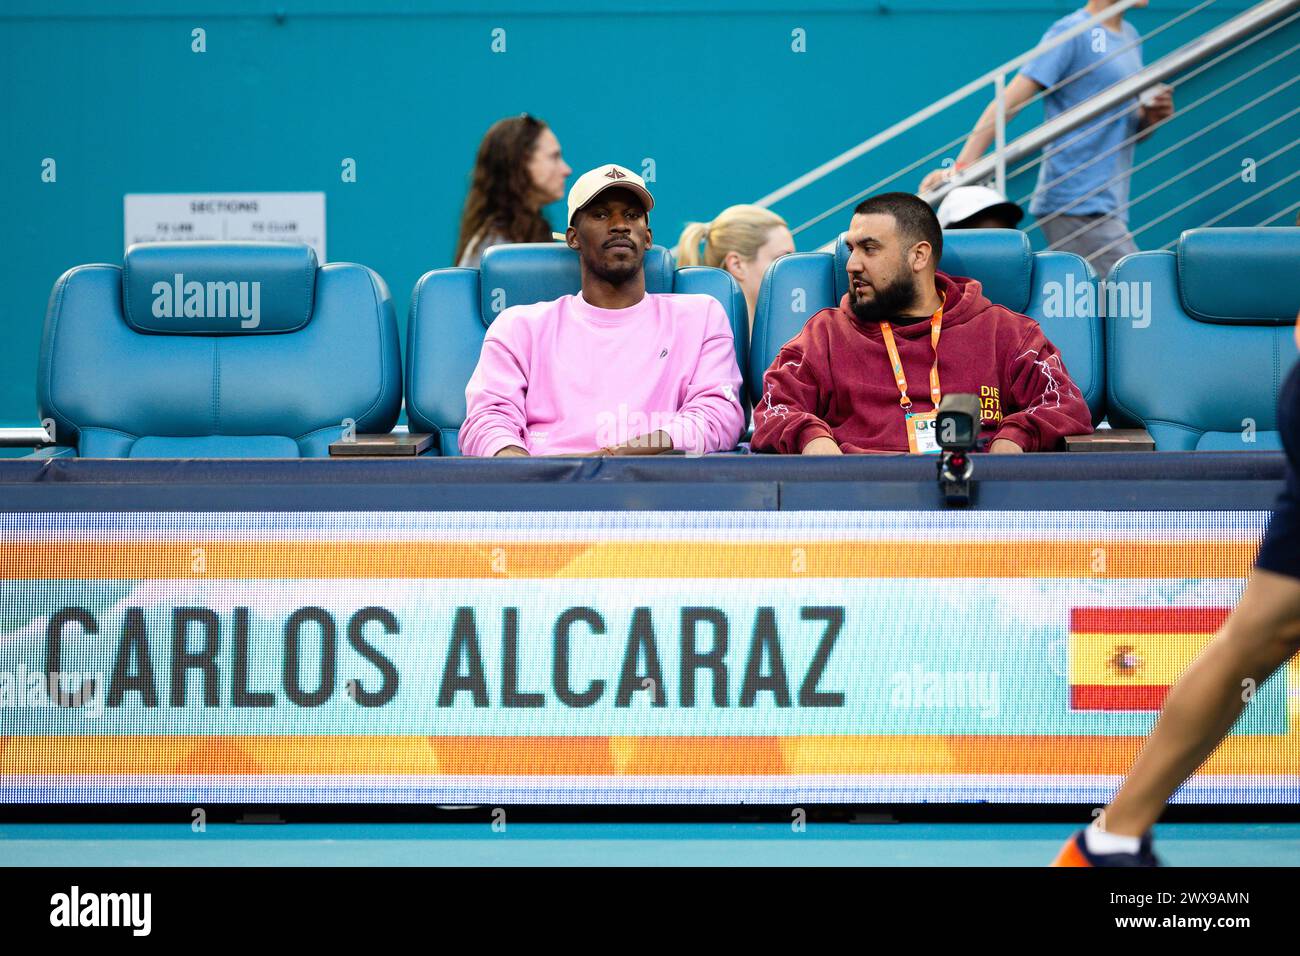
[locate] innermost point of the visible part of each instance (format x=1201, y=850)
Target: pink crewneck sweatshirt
x=565, y=377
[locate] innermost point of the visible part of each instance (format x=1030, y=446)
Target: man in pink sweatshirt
x=613, y=370
x=867, y=376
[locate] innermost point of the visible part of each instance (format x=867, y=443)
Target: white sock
x=1099, y=841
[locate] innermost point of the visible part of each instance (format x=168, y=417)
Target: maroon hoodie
x=834, y=379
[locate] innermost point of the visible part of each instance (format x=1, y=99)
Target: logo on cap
x=614, y=173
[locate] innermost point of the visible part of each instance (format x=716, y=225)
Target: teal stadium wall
x=711, y=91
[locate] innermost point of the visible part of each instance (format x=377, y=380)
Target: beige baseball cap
x=595, y=181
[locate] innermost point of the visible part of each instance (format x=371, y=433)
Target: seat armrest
x=391, y=445
x=1112, y=439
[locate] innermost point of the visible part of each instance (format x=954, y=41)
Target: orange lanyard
x=936, y=322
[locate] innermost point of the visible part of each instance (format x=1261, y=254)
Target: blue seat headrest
x=524, y=273
x=1001, y=259
x=841, y=268
x=1240, y=276
x=218, y=288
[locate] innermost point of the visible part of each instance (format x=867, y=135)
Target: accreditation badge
x=922, y=437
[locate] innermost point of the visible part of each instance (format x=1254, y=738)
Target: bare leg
x=1260, y=635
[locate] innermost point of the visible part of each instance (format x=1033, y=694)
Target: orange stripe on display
x=616, y=756
x=244, y=754
x=224, y=560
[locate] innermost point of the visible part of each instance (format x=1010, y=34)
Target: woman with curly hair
x=519, y=169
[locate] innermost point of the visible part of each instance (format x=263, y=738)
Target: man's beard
x=889, y=304
x=616, y=273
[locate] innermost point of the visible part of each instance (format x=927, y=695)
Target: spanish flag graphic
x=1126, y=658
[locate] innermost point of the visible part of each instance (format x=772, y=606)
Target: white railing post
x=1000, y=132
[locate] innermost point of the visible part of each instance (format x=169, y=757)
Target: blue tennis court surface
x=653, y=844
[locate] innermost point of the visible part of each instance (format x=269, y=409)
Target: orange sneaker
x=1076, y=853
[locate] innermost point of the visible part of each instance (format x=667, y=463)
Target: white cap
x=594, y=182
x=966, y=201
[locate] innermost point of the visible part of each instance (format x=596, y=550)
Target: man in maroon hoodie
x=868, y=375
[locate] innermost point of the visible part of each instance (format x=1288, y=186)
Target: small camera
x=957, y=425
x=957, y=429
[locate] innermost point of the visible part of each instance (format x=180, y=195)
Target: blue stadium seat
x=217, y=350
x=452, y=308
x=1202, y=369
x=1044, y=286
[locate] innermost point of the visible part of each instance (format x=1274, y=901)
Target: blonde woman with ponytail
x=743, y=240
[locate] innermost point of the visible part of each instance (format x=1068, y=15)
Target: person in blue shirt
x=1082, y=198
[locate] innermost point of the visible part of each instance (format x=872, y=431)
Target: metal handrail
x=1295, y=206
x=1168, y=182
x=1176, y=82
x=1182, y=112
x=1231, y=36
x=1235, y=177
x=22, y=437
x=1243, y=204
x=998, y=123
x=999, y=120
x=1207, y=45
x=938, y=106
x=1064, y=240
